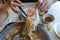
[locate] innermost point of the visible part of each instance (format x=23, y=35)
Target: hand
x=8, y=1
x=44, y=5
x=14, y=5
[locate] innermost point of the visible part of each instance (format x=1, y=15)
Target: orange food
x=59, y=33
x=48, y=19
x=30, y=12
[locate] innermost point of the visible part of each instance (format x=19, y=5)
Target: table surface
x=14, y=18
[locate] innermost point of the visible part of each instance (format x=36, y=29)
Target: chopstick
x=21, y=9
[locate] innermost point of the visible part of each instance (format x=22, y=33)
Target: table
x=55, y=11
x=14, y=18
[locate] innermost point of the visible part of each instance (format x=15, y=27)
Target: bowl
x=12, y=30
x=22, y=37
x=57, y=29
x=48, y=18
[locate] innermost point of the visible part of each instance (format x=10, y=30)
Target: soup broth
x=48, y=19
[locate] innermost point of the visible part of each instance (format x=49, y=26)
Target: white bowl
x=48, y=15
x=57, y=29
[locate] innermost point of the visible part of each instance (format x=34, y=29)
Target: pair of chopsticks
x=21, y=10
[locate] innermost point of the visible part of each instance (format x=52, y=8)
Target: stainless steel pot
x=11, y=31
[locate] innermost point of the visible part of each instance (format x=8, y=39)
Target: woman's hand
x=14, y=5
x=44, y=5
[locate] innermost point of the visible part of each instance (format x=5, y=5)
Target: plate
x=4, y=17
x=57, y=29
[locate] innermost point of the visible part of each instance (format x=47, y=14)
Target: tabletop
x=14, y=18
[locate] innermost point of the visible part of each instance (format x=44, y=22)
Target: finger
x=8, y=1
x=37, y=4
x=42, y=7
x=15, y=4
x=43, y=4
x=41, y=1
x=18, y=1
x=14, y=9
x=46, y=7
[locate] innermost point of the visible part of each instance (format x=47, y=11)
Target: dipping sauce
x=48, y=19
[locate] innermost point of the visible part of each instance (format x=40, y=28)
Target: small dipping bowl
x=48, y=18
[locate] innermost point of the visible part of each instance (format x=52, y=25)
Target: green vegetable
x=47, y=26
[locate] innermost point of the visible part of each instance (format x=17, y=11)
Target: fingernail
x=22, y=5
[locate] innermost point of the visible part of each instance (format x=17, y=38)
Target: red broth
x=48, y=19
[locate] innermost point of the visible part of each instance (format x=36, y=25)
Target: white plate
x=57, y=29
x=55, y=11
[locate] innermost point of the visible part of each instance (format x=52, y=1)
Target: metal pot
x=11, y=31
